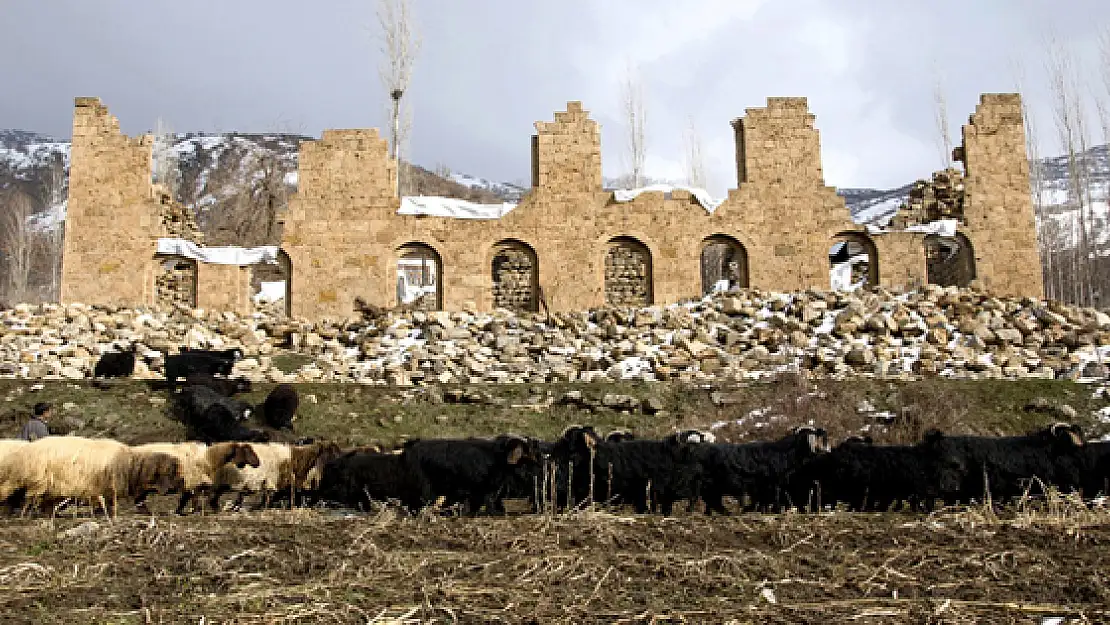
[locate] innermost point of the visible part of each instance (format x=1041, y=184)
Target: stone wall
x=112, y=219
x=344, y=237
x=997, y=202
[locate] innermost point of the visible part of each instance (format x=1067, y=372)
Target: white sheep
x=201, y=463
x=72, y=467
x=282, y=468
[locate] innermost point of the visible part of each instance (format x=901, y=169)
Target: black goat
x=280, y=406
x=358, y=477
x=474, y=471
x=1006, y=466
x=119, y=364
x=762, y=470
x=232, y=354
x=624, y=472
x=223, y=386
x=188, y=364
x=211, y=417
x=866, y=476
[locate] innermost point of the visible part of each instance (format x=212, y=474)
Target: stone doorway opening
x=419, y=276
x=724, y=264
x=949, y=261
x=853, y=262
x=628, y=273
x=515, y=273
x=175, y=282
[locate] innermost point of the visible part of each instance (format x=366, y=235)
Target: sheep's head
x=158, y=472
x=1067, y=434
x=817, y=439
x=241, y=455
x=519, y=449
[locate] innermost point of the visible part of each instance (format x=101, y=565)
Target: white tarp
x=701, y=195
x=451, y=207
x=271, y=292
x=940, y=227
x=219, y=255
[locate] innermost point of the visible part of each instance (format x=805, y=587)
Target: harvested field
x=317, y=567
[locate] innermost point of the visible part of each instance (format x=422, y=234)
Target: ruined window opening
x=628, y=273
x=515, y=272
x=419, y=272
x=853, y=262
x=271, y=286
x=949, y=261
x=724, y=264
x=176, y=281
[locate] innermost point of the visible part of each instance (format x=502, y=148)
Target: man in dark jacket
x=36, y=427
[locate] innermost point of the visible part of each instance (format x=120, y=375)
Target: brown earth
x=591, y=567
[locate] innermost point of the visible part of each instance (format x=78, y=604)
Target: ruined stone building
x=569, y=244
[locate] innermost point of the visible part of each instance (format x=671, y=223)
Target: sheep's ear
x=516, y=453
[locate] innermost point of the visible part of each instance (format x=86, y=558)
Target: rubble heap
x=739, y=335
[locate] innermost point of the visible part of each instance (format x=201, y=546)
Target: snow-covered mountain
x=216, y=167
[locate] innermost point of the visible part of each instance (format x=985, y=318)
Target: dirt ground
x=306, y=566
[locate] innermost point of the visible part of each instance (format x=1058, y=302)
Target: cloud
x=489, y=69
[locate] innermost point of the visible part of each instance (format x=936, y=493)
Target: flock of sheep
x=799, y=470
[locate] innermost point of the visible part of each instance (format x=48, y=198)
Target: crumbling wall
x=997, y=204
x=111, y=217
x=176, y=219
x=942, y=197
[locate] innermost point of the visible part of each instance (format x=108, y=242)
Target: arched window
x=628, y=273
x=853, y=262
x=724, y=264
x=949, y=261
x=419, y=275
x=515, y=273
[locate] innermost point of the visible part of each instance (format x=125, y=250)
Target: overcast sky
x=488, y=69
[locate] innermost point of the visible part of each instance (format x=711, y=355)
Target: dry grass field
x=1032, y=564
x=307, y=566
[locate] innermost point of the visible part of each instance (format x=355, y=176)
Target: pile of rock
x=734, y=336
x=932, y=200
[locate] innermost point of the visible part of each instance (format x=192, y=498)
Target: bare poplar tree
x=1070, y=127
x=165, y=165
x=632, y=100
x=400, y=45
x=940, y=117
x=19, y=243
x=695, y=165
x=53, y=189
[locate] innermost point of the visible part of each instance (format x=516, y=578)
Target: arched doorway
x=419, y=276
x=628, y=273
x=949, y=261
x=271, y=285
x=515, y=274
x=853, y=262
x=175, y=282
x=724, y=264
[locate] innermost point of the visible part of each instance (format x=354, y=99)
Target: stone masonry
x=344, y=237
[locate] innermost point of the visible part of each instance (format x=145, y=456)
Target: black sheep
x=473, y=471
x=622, y=472
x=211, y=417
x=358, y=477
x=188, y=364
x=223, y=386
x=866, y=476
x=1096, y=469
x=119, y=364
x=232, y=354
x=760, y=470
x=280, y=406
x=1009, y=464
